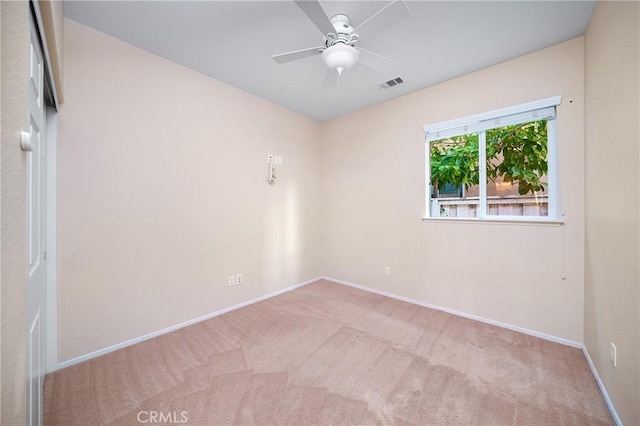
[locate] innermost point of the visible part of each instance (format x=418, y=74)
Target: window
x=497, y=165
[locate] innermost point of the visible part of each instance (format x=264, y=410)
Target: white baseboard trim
x=133, y=341
x=462, y=314
x=592, y=366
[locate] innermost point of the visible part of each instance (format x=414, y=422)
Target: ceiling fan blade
x=386, y=17
x=376, y=62
x=330, y=79
x=313, y=9
x=296, y=54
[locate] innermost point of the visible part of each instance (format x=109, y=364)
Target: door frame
x=51, y=122
x=51, y=131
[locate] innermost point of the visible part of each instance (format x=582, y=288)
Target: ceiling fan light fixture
x=340, y=57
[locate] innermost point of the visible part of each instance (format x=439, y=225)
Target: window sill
x=525, y=222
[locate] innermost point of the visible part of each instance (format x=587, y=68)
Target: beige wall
x=14, y=48
x=373, y=186
x=163, y=194
x=612, y=141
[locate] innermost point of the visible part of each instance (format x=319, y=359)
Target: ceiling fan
x=339, y=51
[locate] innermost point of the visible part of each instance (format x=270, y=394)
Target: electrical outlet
x=238, y=279
x=269, y=158
x=387, y=271
x=614, y=355
x=232, y=280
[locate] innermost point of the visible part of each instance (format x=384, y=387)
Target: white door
x=36, y=231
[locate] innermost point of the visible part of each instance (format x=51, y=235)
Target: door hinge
x=45, y=255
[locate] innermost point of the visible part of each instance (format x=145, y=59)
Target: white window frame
x=480, y=123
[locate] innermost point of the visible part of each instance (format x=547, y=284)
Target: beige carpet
x=330, y=354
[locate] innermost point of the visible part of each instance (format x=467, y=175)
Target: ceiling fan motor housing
x=344, y=32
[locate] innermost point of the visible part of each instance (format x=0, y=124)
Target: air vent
x=394, y=82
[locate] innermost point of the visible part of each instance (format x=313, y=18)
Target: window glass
x=516, y=170
x=455, y=176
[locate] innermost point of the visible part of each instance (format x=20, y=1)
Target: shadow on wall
x=282, y=245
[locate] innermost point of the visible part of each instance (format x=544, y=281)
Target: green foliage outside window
x=516, y=153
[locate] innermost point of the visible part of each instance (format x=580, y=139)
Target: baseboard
x=592, y=366
x=461, y=314
x=133, y=341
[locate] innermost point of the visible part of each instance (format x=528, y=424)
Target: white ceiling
x=233, y=41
